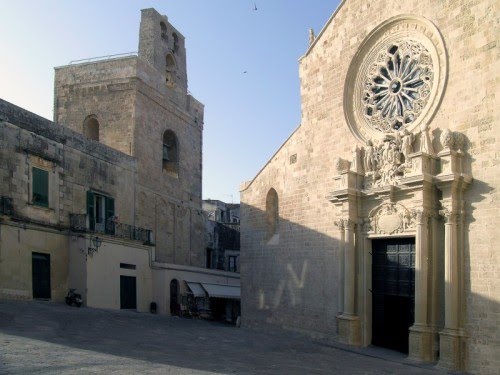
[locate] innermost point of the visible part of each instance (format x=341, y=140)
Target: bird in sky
x=254, y=6
x=245, y=72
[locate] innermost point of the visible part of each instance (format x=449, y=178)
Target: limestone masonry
x=375, y=222
x=107, y=198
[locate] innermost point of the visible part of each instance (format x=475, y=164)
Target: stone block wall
x=104, y=89
x=135, y=106
x=77, y=165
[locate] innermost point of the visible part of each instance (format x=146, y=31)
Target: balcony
x=79, y=223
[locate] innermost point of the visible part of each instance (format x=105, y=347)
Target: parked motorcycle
x=74, y=298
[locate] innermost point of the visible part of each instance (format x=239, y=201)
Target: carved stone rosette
x=396, y=79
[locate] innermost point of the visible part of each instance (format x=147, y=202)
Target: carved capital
x=345, y=223
x=420, y=217
x=339, y=223
x=450, y=217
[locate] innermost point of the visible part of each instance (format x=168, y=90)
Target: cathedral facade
x=373, y=224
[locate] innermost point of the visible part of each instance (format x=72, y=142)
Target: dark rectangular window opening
x=209, y=258
x=128, y=266
x=232, y=264
x=40, y=187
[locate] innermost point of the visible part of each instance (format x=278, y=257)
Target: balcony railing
x=5, y=205
x=79, y=223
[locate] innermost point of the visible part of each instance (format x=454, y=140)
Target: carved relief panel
x=389, y=218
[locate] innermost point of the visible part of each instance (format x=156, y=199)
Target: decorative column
x=347, y=183
x=452, y=336
x=349, y=268
x=340, y=295
x=452, y=181
x=348, y=321
x=420, y=347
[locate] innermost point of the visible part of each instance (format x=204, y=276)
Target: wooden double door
x=393, y=292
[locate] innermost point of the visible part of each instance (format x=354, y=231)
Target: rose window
x=397, y=86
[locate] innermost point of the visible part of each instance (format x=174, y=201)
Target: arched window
x=176, y=42
x=272, y=214
x=91, y=128
x=163, y=27
x=170, y=153
x=170, y=70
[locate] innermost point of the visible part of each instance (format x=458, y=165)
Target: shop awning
x=196, y=289
x=222, y=291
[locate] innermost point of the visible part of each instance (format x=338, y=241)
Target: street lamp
x=97, y=242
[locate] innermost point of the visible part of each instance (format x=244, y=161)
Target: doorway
x=128, y=293
x=393, y=292
x=175, y=308
x=40, y=272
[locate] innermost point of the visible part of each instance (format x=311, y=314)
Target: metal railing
x=6, y=207
x=103, y=58
x=128, y=231
x=79, y=223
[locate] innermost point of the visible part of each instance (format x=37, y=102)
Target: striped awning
x=196, y=289
x=222, y=291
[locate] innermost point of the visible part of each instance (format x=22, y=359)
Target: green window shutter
x=40, y=187
x=110, y=212
x=90, y=209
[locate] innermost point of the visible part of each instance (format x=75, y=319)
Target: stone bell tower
x=140, y=105
x=164, y=48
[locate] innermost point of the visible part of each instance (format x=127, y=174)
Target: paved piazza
x=49, y=338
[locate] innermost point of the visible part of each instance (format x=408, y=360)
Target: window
x=128, y=266
x=163, y=27
x=170, y=70
x=170, y=153
x=232, y=263
x=101, y=212
x=176, y=42
x=91, y=128
x=209, y=258
x=272, y=213
x=40, y=195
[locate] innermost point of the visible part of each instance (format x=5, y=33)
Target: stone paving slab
x=48, y=338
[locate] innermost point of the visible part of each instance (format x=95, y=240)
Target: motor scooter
x=74, y=298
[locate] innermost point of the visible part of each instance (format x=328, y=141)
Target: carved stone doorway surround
x=420, y=196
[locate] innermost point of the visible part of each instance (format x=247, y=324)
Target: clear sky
x=247, y=115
